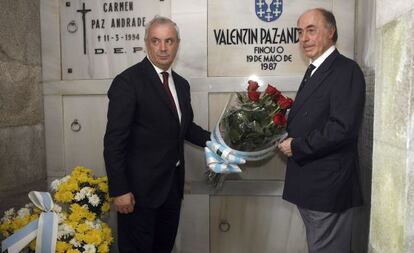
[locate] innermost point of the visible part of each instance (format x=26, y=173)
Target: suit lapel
x=180, y=96
x=313, y=84
x=158, y=85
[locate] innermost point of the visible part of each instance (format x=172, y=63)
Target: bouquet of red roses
x=253, y=121
x=248, y=130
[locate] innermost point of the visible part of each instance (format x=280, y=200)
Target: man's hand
x=285, y=147
x=124, y=203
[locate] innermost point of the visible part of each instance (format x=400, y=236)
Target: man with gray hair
x=149, y=117
x=323, y=123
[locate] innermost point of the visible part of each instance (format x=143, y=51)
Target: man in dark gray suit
x=149, y=117
x=323, y=124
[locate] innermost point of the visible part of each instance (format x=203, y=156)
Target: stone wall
x=392, y=201
x=22, y=149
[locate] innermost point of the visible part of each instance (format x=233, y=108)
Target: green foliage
x=248, y=126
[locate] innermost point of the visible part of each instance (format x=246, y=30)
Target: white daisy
x=65, y=230
x=9, y=212
x=89, y=248
x=57, y=208
x=55, y=184
x=75, y=243
x=94, y=200
x=23, y=212
x=79, y=196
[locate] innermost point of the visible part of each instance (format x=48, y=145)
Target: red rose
x=253, y=85
x=253, y=95
x=284, y=102
x=272, y=91
x=279, y=119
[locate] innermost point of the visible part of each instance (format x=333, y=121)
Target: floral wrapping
x=250, y=126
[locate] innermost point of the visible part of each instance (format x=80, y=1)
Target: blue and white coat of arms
x=268, y=10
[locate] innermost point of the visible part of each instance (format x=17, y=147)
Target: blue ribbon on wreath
x=44, y=229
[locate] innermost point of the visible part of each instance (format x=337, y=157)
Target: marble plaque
x=99, y=38
x=257, y=37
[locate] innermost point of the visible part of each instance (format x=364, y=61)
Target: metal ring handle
x=75, y=126
x=224, y=226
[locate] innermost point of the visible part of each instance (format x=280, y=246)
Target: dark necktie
x=308, y=73
x=167, y=89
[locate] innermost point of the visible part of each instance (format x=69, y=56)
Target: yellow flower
x=103, y=187
x=61, y=247
x=33, y=217
x=63, y=196
x=5, y=226
x=73, y=251
x=103, y=248
x=82, y=228
x=81, y=170
x=17, y=224
x=79, y=237
x=93, y=237
x=32, y=245
x=82, y=178
x=90, y=216
x=77, y=213
x=5, y=234
x=107, y=233
x=71, y=185
x=105, y=207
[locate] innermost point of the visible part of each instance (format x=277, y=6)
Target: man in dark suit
x=149, y=117
x=323, y=124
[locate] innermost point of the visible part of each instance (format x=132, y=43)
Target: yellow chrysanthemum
x=71, y=223
x=90, y=216
x=32, y=245
x=33, y=217
x=105, y=207
x=17, y=224
x=73, y=251
x=101, y=180
x=62, y=247
x=71, y=185
x=5, y=226
x=93, y=237
x=91, y=181
x=63, y=196
x=103, y=187
x=79, y=237
x=82, y=228
x=5, y=234
x=103, y=248
x=82, y=178
x=81, y=170
x=77, y=212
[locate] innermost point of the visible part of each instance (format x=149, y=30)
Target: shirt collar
x=323, y=57
x=158, y=70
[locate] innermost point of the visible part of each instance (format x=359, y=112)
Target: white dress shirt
x=171, y=84
x=318, y=62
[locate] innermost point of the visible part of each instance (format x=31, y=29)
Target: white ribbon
x=221, y=160
x=44, y=228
